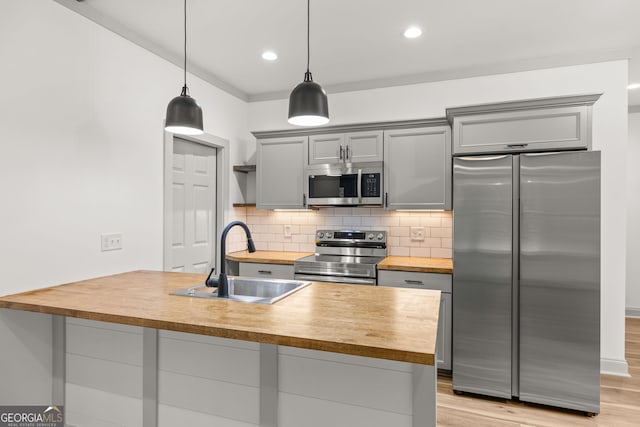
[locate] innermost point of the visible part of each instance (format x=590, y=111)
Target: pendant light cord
x=184, y=89
x=307, y=75
x=308, y=44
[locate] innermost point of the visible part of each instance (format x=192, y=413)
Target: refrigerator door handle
x=484, y=158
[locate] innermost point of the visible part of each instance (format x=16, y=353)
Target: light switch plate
x=417, y=233
x=110, y=241
x=287, y=231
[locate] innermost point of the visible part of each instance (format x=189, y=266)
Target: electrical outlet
x=287, y=231
x=110, y=241
x=417, y=233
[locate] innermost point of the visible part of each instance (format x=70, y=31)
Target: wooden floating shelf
x=243, y=205
x=244, y=168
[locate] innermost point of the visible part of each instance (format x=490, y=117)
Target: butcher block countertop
x=423, y=265
x=399, y=263
x=267, y=257
x=380, y=322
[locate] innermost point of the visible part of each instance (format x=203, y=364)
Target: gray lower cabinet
x=279, y=172
x=435, y=281
x=417, y=168
x=547, y=124
x=266, y=271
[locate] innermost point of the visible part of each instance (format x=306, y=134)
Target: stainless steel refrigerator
x=526, y=277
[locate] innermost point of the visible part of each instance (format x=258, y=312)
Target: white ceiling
x=358, y=44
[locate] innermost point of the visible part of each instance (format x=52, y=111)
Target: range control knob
x=328, y=235
x=370, y=236
x=380, y=236
x=320, y=234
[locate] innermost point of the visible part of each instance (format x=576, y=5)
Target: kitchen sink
x=246, y=289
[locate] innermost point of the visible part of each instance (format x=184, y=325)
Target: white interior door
x=193, y=190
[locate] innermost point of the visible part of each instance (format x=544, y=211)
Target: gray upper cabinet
x=350, y=147
x=549, y=124
x=417, y=168
x=279, y=172
x=326, y=148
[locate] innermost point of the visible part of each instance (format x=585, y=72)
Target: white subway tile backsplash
x=277, y=229
x=276, y=246
x=440, y=232
x=351, y=220
x=409, y=221
x=267, y=228
x=391, y=221
x=429, y=221
x=431, y=242
x=400, y=231
x=308, y=229
x=361, y=211
x=333, y=221
x=371, y=221
x=291, y=247
x=299, y=238
x=441, y=253
x=407, y=242
x=423, y=252
x=399, y=251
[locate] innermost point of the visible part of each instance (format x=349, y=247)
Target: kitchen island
x=329, y=354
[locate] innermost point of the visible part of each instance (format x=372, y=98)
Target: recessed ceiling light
x=269, y=55
x=412, y=32
x=633, y=86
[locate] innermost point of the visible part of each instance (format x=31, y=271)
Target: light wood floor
x=619, y=401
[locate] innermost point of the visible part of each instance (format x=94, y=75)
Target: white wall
x=633, y=218
x=81, y=122
x=81, y=116
x=609, y=135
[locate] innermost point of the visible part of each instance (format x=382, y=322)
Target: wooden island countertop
x=380, y=322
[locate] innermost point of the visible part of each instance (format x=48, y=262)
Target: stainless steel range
x=344, y=256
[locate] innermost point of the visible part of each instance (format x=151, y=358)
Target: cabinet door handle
x=517, y=145
x=341, y=149
x=359, y=184
x=413, y=282
x=386, y=200
x=346, y=153
x=304, y=200
x=264, y=271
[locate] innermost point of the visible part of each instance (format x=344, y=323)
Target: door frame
x=221, y=146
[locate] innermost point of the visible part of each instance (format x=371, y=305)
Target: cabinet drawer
x=412, y=279
x=266, y=271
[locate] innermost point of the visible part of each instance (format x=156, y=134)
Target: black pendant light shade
x=308, y=104
x=184, y=115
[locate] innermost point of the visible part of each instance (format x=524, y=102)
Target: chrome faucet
x=221, y=282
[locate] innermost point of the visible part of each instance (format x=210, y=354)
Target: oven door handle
x=359, y=185
x=335, y=279
x=302, y=270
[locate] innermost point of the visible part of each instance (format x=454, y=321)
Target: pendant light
x=308, y=101
x=184, y=115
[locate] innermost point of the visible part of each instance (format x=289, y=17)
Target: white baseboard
x=632, y=312
x=614, y=367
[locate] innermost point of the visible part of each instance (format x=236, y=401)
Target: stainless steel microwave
x=344, y=184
